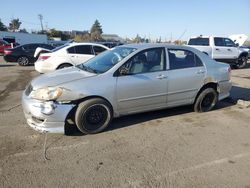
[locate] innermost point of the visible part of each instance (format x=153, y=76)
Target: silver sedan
x=125, y=80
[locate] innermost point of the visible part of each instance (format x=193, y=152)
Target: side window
x=229, y=43
x=98, y=49
x=27, y=47
x=199, y=41
x=198, y=61
x=151, y=60
x=180, y=59
x=83, y=49
x=30, y=46
x=218, y=41
x=71, y=50
x=35, y=46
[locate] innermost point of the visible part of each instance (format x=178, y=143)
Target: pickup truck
x=220, y=49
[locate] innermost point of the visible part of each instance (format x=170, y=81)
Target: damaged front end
x=47, y=109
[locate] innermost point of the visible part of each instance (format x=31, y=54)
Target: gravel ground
x=167, y=148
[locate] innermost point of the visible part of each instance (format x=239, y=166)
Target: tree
x=82, y=37
x=57, y=33
x=14, y=25
x=23, y=31
x=96, y=31
x=2, y=26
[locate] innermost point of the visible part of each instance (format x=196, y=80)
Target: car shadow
x=7, y=65
x=130, y=120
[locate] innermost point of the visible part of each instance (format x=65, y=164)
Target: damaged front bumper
x=45, y=116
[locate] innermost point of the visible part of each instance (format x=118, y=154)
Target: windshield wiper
x=88, y=69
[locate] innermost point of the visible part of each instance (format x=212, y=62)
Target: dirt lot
x=168, y=148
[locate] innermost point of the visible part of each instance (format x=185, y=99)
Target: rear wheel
x=241, y=62
x=23, y=61
x=64, y=65
x=206, y=100
x=93, y=115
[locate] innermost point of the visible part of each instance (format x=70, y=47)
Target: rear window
x=83, y=49
x=59, y=48
x=98, y=49
x=199, y=42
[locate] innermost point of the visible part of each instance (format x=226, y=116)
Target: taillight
x=42, y=58
x=7, y=52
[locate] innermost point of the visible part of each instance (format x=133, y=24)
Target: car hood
x=60, y=77
x=239, y=38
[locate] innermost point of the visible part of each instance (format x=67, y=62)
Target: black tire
x=23, y=61
x=93, y=116
x=206, y=100
x=64, y=65
x=241, y=62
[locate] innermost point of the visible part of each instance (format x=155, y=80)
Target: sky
x=168, y=19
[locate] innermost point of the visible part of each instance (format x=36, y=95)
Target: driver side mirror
x=237, y=45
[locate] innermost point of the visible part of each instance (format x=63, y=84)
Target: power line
x=40, y=17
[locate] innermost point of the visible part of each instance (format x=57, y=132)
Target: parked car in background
x=40, y=51
x=4, y=45
x=23, y=54
x=111, y=44
x=67, y=55
x=55, y=44
x=124, y=80
x=221, y=49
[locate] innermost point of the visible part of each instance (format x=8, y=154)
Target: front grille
x=28, y=90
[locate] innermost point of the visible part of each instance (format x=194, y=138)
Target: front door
x=142, y=82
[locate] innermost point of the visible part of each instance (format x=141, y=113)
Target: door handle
x=217, y=49
x=229, y=50
x=72, y=56
x=200, y=72
x=161, y=76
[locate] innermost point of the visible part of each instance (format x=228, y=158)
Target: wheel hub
x=96, y=115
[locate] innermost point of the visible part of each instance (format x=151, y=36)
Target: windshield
x=106, y=60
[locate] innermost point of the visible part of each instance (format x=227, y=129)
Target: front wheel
x=241, y=62
x=206, y=100
x=93, y=115
x=23, y=61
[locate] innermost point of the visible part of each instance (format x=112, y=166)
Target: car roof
x=141, y=46
x=85, y=43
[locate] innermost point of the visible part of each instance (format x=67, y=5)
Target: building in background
x=23, y=38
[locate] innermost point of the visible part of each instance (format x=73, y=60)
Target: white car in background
x=67, y=55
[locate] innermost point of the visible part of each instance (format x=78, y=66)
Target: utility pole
x=40, y=17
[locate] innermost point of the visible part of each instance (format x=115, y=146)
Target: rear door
x=220, y=50
x=186, y=74
x=80, y=53
x=29, y=50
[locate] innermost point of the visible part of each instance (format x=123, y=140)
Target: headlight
x=48, y=93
